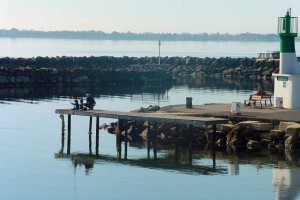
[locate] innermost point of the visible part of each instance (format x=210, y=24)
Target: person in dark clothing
x=90, y=101
x=81, y=104
x=260, y=91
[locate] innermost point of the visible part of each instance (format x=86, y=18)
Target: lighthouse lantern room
x=287, y=81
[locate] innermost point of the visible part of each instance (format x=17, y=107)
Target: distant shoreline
x=99, y=35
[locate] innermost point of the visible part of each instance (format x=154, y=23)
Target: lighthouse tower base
x=287, y=88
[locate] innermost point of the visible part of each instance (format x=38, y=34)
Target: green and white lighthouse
x=287, y=81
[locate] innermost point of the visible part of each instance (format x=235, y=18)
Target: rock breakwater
x=113, y=70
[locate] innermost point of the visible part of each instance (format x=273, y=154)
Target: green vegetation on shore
x=100, y=35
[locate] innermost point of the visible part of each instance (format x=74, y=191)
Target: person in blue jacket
x=76, y=105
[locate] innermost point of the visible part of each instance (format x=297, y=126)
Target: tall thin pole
x=69, y=134
x=159, y=44
x=90, y=135
x=97, y=136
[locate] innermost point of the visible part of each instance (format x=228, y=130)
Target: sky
x=140, y=16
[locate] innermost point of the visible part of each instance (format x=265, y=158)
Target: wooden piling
x=97, y=136
x=213, y=145
x=62, y=134
x=118, y=139
x=90, y=126
x=69, y=135
x=214, y=135
x=126, y=144
x=90, y=135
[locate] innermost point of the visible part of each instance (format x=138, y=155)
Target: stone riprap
x=106, y=69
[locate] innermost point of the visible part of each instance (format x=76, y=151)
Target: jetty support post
x=126, y=144
x=213, y=145
x=190, y=143
x=69, y=135
x=62, y=133
x=118, y=139
x=97, y=136
x=148, y=140
x=90, y=135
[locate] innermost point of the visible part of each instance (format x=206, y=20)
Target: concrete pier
x=266, y=113
x=156, y=117
x=198, y=115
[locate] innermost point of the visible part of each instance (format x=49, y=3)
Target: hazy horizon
x=90, y=30
x=142, y=16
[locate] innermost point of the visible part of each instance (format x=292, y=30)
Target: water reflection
x=161, y=163
x=286, y=179
x=228, y=84
x=138, y=92
x=36, y=93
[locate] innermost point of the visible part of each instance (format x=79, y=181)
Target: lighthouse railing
x=288, y=25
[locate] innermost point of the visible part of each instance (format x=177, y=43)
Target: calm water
x=22, y=47
x=30, y=140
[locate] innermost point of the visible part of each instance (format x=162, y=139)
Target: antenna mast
x=159, y=44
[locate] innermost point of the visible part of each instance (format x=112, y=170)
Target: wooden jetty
x=157, y=117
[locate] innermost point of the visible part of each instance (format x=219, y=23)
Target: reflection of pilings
x=69, y=134
x=62, y=133
x=176, y=143
x=190, y=143
x=97, y=136
x=148, y=141
x=90, y=135
x=234, y=169
x=214, y=158
x=152, y=138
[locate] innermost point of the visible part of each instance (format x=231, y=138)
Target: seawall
x=64, y=70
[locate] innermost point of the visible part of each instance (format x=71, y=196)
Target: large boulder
x=293, y=130
x=259, y=126
x=290, y=128
x=224, y=127
x=283, y=125
x=241, y=126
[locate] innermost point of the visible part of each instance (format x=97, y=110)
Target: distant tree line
x=100, y=35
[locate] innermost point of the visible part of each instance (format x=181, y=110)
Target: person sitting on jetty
x=81, y=104
x=76, y=105
x=260, y=91
x=90, y=101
